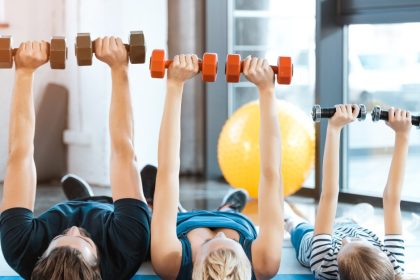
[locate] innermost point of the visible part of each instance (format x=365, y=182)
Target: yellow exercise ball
x=239, y=152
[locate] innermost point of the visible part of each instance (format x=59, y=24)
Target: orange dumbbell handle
x=275, y=68
x=169, y=62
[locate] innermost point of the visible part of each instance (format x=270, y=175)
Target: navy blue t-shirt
x=121, y=232
x=189, y=221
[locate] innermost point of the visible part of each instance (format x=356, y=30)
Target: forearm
x=170, y=130
x=395, y=181
x=331, y=163
x=330, y=183
x=121, y=114
x=270, y=143
x=22, y=117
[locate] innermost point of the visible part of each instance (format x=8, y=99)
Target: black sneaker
x=235, y=199
x=75, y=187
x=148, y=180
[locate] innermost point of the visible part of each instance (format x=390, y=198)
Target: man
x=79, y=239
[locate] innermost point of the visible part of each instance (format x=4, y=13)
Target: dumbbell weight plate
x=233, y=68
x=6, y=54
x=58, y=52
x=137, y=47
x=209, y=67
x=83, y=49
x=284, y=70
x=157, y=64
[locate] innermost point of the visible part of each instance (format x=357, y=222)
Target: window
x=272, y=28
x=384, y=70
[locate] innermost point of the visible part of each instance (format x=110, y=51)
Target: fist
x=31, y=55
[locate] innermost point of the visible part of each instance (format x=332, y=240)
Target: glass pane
x=383, y=69
x=270, y=29
x=252, y=4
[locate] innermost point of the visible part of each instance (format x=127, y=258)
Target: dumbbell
x=283, y=69
x=85, y=48
x=207, y=66
x=379, y=114
x=57, y=51
x=319, y=113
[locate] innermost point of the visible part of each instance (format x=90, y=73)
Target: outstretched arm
x=166, y=248
x=327, y=208
x=125, y=177
x=20, y=181
x=400, y=122
x=266, y=250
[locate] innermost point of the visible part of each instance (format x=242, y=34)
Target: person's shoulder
x=16, y=214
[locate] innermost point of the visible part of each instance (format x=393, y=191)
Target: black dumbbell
x=379, y=114
x=319, y=113
x=85, y=48
x=57, y=52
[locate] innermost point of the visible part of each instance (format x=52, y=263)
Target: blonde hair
x=222, y=264
x=366, y=263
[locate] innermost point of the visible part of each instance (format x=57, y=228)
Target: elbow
x=270, y=269
x=270, y=174
x=19, y=153
x=391, y=198
x=123, y=149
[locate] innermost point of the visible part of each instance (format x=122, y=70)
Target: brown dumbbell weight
x=85, y=48
x=57, y=52
x=283, y=69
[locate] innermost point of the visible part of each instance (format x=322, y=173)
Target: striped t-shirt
x=325, y=248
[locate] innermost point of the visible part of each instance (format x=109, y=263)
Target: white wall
x=90, y=86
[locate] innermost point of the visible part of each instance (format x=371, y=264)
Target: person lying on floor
x=219, y=244
x=345, y=250
x=80, y=239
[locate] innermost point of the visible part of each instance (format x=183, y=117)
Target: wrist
x=119, y=68
x=402, y=136
x=175, y=83
x=266, y=88
x=26, y=72
x=334, y=128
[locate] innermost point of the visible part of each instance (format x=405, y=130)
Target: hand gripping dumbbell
x=379, y=114
x=283, y=69
x=319, y=113
x=85, y=48
x=207, y=66
x=57, y=52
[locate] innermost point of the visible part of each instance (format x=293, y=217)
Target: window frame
x=332, y=20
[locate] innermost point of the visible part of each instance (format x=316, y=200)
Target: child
x=346, y=250
x=217, y=244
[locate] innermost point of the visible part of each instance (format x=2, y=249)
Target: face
x=78, y=239
x=218, y=242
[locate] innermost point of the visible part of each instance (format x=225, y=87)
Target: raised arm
x=166, y=248
x=20, y=181
x=400, y=122
x=327, y=208
x=125, y=177
x=266, y=249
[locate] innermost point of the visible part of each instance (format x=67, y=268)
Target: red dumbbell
x=234, y=68
x=207, y=66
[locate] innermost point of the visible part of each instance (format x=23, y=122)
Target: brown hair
x=222, y=264
x=365, y=263
x=65, y=263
